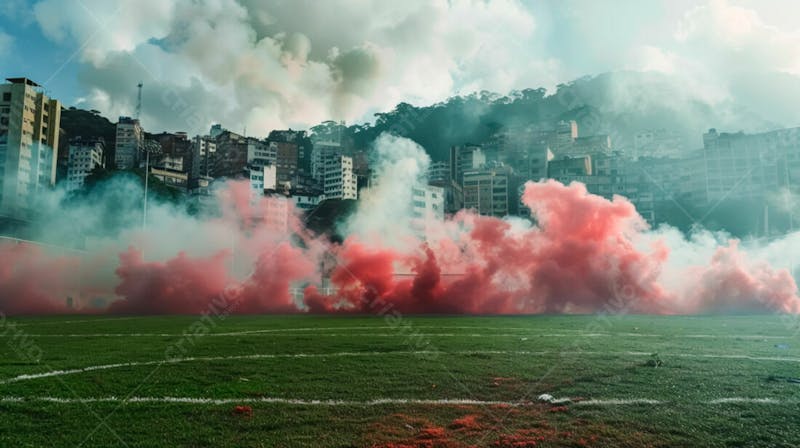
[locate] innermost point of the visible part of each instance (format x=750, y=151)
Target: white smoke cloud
x=384, y=214
x=265, y=64
x=269, y=64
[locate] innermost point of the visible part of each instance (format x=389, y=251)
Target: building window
x=6, y=96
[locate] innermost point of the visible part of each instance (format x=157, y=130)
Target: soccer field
x=252, y=381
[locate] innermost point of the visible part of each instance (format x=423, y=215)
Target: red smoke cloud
x=728, y=284
x=578, y=258
x=583, y=253
x=32, y=282
x=179, y=285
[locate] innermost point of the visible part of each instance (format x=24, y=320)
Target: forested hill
x=619, y=104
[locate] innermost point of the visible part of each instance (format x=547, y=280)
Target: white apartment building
x=84, y=156
x=321, y=151
x=29, y=131
x=340, y=181
x=261, y=153
x=262, y=178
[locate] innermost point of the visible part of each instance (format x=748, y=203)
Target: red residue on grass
x=559, y=409
x=434, y=432
x=468, y=422
x=500, y=380
x=520, y=439
x=243, y=410
x=406, y=431
x=412, y=432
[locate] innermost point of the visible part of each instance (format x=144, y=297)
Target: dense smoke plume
x=582, y=254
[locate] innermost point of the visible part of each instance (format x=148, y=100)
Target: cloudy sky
x=265, y=64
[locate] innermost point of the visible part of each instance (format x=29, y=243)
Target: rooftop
x=22, y=81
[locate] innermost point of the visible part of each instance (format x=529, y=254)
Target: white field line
x=617, y=402
x=375, y=402
x=396, y=333
x=53, y=373
x=76, y=321
x=745, y=400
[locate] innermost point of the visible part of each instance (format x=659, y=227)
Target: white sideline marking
x=52, y=373
x=406, y=330
x=375, y=402
x=56, y=322
x=617, y=402
x=745, y=400
x=296, y=401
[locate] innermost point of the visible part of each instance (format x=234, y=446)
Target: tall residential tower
x=29, y=129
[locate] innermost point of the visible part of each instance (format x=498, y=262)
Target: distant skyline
x=275, y=64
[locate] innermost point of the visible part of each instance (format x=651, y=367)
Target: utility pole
x=146, y=177
x=147, y=151
x=154, y=148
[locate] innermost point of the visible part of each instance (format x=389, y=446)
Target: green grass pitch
x=253, y=381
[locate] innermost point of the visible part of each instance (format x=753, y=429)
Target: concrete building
x=29, y=133
x=428, y=202
x=262, y=178
x=306, y=199
x=286, y=161
x=590, y=145
x=487, y=190
x=206, y=148
x=668, y=179
x=293, y=149
x=275, y=208
x=531, y=161
x=340, y=181
x=567, y=167
x=427, y=207
x=749, y=166
x=465, y=158
x=564, y=135
x=171, y=178
x=657, y=143
x=216, y=130
x=129, y=143
x=438, y=173
x=230, y=156
x=321, y=151
x=84, y=156
x=439, y=176
x=608, y=175
x=260, y=153
x=179, y=156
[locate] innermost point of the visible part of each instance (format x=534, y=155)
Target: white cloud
x=6, y=42
x=730, y=35
x=266, y=64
